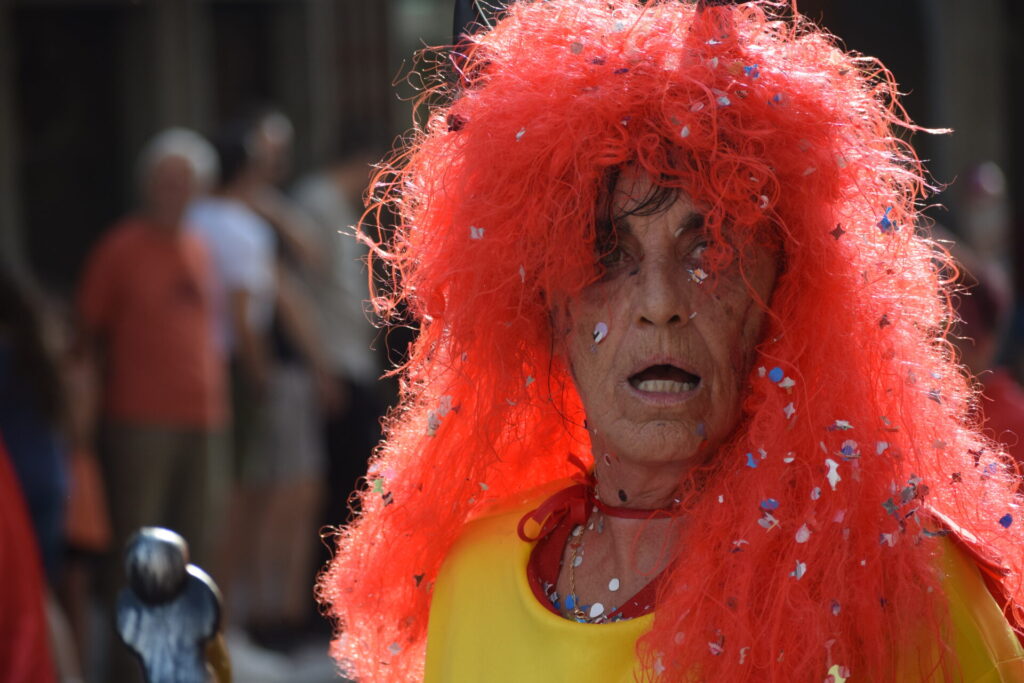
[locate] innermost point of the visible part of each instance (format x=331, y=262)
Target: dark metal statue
x=169, y=614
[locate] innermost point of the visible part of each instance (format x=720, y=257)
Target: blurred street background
x=184, y=338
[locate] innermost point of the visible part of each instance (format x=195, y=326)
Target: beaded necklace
x=596, y=612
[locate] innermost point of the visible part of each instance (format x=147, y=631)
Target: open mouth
x=664, y=379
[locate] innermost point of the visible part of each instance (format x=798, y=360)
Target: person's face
x=669, y=374
x=272, y=148
x=171, y=185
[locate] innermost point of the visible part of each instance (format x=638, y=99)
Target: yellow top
x=481, y=630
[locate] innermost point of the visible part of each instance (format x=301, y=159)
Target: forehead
x=636, y=201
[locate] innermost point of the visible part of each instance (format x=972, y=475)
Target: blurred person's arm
x=292, y=226
x=250, y=345
x=298, y=320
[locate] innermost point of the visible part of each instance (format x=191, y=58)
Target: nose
x=662, y=293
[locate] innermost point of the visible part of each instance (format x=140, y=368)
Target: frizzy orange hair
x=789, y=141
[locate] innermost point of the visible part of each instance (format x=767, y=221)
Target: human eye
x=612, y=254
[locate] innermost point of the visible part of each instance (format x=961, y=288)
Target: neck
x=165, y=221
x=622, y=482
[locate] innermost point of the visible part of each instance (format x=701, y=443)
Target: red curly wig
x=759, y=115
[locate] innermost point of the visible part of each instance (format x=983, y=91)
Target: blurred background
x=85, y=85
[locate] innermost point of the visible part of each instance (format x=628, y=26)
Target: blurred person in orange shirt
x=146, y=312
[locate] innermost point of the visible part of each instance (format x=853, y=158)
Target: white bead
x=613, y=585
x=596, y=610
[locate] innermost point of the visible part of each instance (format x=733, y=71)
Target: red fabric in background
x=24, y=640
x=1003, y=407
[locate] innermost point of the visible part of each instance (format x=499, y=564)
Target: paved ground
x=309, y=664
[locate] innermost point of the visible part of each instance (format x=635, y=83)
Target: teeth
x=665, y=386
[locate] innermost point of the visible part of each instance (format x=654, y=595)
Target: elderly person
x=146, y=309
x=680, y=408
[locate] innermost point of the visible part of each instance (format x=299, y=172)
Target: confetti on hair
x=528, y=147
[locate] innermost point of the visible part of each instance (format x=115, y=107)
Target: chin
x=661, y=442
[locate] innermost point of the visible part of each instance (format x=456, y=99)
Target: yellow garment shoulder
x=985, y=646
x=487, y=625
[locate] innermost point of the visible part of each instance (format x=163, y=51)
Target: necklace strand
x=576, y=611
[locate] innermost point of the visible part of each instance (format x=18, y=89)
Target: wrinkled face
x=660, y=359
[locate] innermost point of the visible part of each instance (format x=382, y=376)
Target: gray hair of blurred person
x=186, y=144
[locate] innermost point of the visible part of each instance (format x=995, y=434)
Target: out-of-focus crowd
x=214, y=374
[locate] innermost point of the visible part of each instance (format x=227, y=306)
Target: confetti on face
x=789, y=410
x=751, y=462
x=803, y=534
x=840, y=425
x=715, y=648
x=476, y=233
x=394, y=648
x=522, y=274
x=838, y=231
x=849, y=449
x=768, y=521
x=881, y=447
x=787, y=383
x=600, y=332
x=816, y=493
x=833, y=473
x=1006, y=520
x=809, y=170
x=520, y=134
x=698, y=275
x=789, y=457
x=697, y=106
x=576, y=48
x=799, y=571
x=751, y=71
x=769, y=504
x=723, y=101
x=685, y=132
x=721, y=498
x=529, y=380
x=483, y=486
x=835, y=608
x=775, y=375
x=763, y=202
